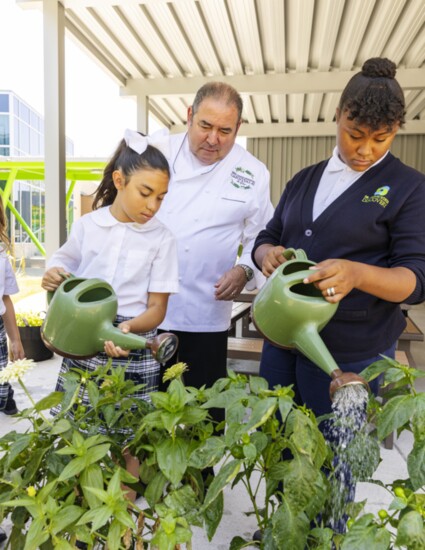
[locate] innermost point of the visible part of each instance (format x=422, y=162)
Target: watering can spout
x=80, y=319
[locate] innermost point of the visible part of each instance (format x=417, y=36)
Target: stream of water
x=354, y=456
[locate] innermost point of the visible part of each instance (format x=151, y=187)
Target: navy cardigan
x=379, y=220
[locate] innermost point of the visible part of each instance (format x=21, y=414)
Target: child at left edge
x=8, y=326
x=123, y=243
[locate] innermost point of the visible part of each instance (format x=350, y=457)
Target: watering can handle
x=292, y=253
x=51, y=292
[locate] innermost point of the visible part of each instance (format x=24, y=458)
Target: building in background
x=22, y=135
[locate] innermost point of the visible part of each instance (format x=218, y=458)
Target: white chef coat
x=211, y=210
x=133, y=258
x=8, y=284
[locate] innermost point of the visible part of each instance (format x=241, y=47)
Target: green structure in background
x=18, y=170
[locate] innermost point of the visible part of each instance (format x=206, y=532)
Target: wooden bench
x=412, y=333
x=239, y=311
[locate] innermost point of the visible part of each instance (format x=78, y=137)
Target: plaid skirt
x=140, y=365
x=6, y=391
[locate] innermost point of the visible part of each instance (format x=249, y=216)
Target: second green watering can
x=290, y=314
x=80, y=319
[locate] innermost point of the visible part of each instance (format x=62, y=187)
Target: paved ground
x=235, y=522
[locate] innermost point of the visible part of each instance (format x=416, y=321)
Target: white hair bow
x=139, y=143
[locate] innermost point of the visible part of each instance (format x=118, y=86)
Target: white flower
x=16, y=370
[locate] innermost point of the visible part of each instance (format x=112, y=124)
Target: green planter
x=33, y=344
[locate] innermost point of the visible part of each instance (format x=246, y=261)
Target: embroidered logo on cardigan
x=379, y=196
x=242, y=178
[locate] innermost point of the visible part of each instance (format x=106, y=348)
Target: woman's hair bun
x=378, y=67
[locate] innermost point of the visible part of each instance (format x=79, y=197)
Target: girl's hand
x=115, y=351
x=53, y=278
x=334, y=278
x=16, y=350
x=272, y=260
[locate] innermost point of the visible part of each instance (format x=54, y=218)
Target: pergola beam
x=289, y=83
x=302, y=129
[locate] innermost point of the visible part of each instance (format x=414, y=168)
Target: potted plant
x=29, y=324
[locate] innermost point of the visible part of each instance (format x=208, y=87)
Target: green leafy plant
x=64, y=478
x=29, y=318
x=403, y=524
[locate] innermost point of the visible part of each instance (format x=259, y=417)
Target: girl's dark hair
x=128, y=161
x=373, y=97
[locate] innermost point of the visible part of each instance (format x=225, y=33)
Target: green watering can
x=290, y=314
x=80, y=318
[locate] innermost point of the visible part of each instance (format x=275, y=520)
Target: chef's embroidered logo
x=242, y=178
x=379, y=196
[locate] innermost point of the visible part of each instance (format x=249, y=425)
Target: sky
x=96, y=115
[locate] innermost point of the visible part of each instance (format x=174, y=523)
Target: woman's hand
x=53, y=278
x=272, y=259
x=334, y=278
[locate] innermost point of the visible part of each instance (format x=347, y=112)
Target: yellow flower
x=31, y=491
x=16, y=370
x=174, y=372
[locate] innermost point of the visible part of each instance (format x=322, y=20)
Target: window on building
x=4, y=130
x=24, y=112
x=4, y=103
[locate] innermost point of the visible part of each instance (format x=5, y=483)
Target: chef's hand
x=230, y=284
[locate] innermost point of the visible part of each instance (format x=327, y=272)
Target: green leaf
x=225, y=399
x=192, y=415
x=261, y=411
x=238, y=542
x=161, y=400
x=61, y=426
x=285, y=405
x=224, y=476
x=170, y=420
x=96, y=453
x=177, y=394
x=411, y=532
x=213, y=514
x=92, y=477
x=37, y=534
x=290, y=526
x=172, y=458
x=416, y=465
x=258, y=384
x=21, y=443
x=98, y=517
x=114, y=535
x=182, y=501
x=65, y=516
x=93, y=393
x=208, y=453
x=155, y=489
x=73, y=468
x=51, y=400
x=395, y=413
x=365, y=534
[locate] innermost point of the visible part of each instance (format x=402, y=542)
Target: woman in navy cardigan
x=359, y=215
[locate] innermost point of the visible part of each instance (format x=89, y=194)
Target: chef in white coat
x=218, y=199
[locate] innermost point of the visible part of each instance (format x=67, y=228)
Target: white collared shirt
x=8, y=284
x=336, y=178
x=133, y=258
x=211, y=209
